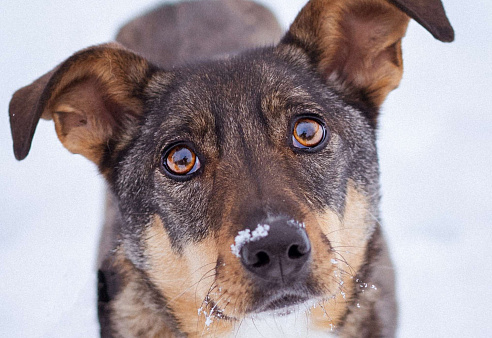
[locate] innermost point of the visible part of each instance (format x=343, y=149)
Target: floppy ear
x=356, y=44
x=93, y=98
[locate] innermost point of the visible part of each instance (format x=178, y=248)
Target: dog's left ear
x=94, y=97
x=355, y=45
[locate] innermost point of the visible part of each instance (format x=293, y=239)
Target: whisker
x=347, y=246
x=191, y=286
x=347, y=263
x=211, y=286
x=237, y=331
x=322, y=305
x=254, y=324
x=340, y=229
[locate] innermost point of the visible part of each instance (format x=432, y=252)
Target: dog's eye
x=308, y=133
x=181, y=160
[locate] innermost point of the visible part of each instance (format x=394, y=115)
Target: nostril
x=262, y=259
x=295, y=252
x=282, y=254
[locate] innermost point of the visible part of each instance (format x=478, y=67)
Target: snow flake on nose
x=246, y=236
x=296, y=224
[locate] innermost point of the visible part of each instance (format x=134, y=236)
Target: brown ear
x=356, y=44
x=92, y=98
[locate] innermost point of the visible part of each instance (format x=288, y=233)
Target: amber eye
x=181, y=160
x=308, y=133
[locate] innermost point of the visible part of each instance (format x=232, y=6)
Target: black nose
x=280, y=255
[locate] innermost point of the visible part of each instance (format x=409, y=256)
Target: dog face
x=239, y=118
x=247, y=184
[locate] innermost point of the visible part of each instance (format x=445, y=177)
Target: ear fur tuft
x=91, y=97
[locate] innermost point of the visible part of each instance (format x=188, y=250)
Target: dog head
x=247, y=184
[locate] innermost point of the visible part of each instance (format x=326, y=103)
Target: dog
x=241, y=165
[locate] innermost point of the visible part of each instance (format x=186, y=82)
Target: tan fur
x=183, y=278
x=348, y=236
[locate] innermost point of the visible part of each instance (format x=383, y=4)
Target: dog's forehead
x=239, y=84
x=254, y=91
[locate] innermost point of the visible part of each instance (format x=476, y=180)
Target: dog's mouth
x=279, y=305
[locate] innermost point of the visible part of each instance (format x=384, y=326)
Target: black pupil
x=306, y=129
x=182, y=157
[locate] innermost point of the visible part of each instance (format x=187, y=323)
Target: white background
x=435, y=144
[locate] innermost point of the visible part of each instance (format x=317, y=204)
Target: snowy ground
x=436, y=157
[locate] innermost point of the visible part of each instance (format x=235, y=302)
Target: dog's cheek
x=183, y=278
x=335, y=272
x=131, y=309
x=233, y=287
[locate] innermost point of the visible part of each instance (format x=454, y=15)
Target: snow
x=246, y=236
x=208, y=315
x=296, y=224
x=435, y=147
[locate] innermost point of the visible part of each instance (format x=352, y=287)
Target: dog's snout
x=279, y=256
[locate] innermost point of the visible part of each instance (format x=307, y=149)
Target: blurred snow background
x=435, y=142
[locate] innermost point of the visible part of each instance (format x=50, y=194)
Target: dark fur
x=237, y=113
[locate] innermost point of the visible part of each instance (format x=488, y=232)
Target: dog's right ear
x=93, y=98
x=355, y=45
